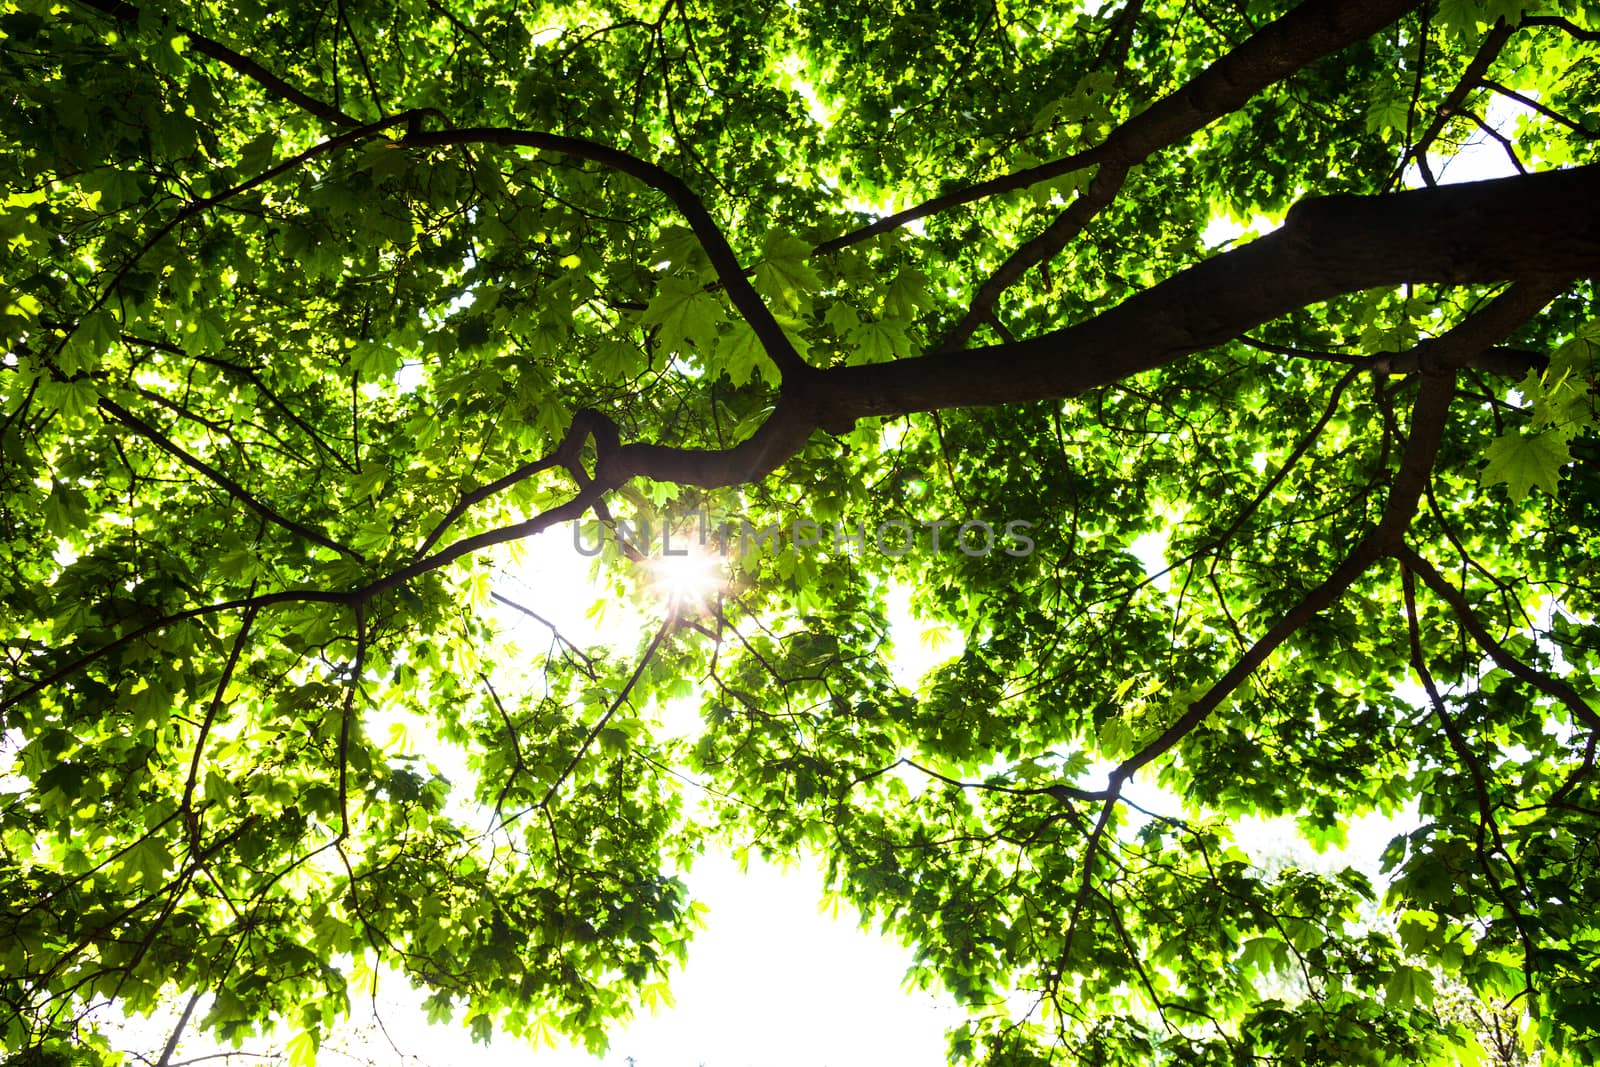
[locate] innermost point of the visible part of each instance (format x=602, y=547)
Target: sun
x=686, y=580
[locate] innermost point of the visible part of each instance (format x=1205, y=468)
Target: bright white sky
x=772, y=981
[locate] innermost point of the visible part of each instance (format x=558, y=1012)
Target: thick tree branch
x=729, y=272
x=1537, y=225
x=1462, y=346
x=1309, y=32
x=1480, y=232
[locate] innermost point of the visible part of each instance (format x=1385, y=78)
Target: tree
x=310, y=309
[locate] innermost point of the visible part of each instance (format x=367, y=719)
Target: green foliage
x=305, y=308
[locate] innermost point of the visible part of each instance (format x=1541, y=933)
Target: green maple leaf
x=740, y=354
x=683, y=310
x=879, y=342
x=1521, y=461
x=783, y=273
x=842, y=318
x=618, y=358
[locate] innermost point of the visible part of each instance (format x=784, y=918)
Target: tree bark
x=1533, y=227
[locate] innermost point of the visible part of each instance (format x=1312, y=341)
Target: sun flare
x=689, y=579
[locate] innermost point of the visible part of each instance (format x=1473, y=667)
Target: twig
x=233, y=488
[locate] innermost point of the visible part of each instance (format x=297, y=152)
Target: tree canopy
x=313, y=312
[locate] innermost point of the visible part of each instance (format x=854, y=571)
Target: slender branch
x=255, y=379
x=1565, y=25
x=1303, y=446
x=1347, y=358
x=191, y=818
x=1500, y=360
x=347, y=720
x=1062, y=793
x=464, y=28
x=1530, y=102
x=1487, y=53
x=1366, y=552
x=233, y=488
x=1554, y=688
x=1427, y=429
x=1504, y=141
x=1284, y=46
x=1487, y=824
x=585, y=424
x=1091, y=851
x=361, y=57
x=1424, y=32
x=516, y=745
x=1436, y=357
x=224, y=1056
x=1103, y=189
x=600, y=723
x=287, y=596
x=177, y=1031
x=746, y=301
x=572, y=647
x=240, y=64
x=196, y=207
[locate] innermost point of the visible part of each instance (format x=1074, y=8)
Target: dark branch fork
x=1277, y=51
x=1306, y=33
